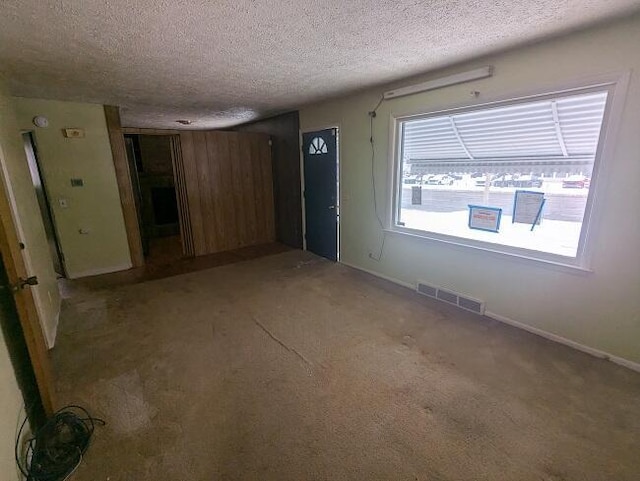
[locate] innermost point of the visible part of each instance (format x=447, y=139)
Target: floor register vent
x=450, y=297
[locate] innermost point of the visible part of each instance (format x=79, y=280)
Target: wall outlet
x=63, y=203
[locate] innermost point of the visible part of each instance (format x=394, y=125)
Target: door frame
x=308, y=130
x=135, y=186
x=125, y=184
x=125, y=187
x=177, y=164
x=45, y=190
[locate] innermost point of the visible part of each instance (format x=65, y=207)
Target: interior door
x=18, y=282
x=321, y=192
x=15, y=341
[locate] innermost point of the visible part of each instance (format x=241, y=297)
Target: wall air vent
x=450, y=297
x=427, y=290
x=446, y=296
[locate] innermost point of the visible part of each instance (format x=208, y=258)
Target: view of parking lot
x=444, y=209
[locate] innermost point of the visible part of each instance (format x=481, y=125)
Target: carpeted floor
x=290, y=367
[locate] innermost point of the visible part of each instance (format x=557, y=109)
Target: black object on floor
x=57, y=448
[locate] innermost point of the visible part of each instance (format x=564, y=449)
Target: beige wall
x=599, y=309
x=11, y=402
x=15, y=174
x=95, y=207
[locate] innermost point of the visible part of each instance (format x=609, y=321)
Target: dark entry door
x=321, y=192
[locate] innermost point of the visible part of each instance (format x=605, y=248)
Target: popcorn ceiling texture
x=226, y=62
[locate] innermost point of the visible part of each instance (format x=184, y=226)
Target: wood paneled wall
x=284, y=132
x=229, y=187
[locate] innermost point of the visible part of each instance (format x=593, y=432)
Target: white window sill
x=532, y=258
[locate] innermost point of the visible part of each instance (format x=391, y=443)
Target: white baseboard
x=51, y=338
x=533, y=330
x=102, y=270
x=381, y=276
x=567, y=342
x=49, y=331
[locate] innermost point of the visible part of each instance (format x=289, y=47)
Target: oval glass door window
x=318, y=146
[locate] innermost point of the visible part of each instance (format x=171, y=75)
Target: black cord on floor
x=56, y=449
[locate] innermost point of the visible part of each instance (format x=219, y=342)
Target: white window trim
x=616, y=84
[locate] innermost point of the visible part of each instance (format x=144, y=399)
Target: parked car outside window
x=576, y=182
x=527, y=181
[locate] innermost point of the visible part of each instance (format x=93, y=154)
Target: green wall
x=601, y=309
x=95, y=207
x=11, y=402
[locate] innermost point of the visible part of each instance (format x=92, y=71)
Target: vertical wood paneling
x=190, y=165
x=263, y=186
x=249, y=199
x=204, y=185
x=256, y=161
x=218, y=229
x=239, y=188
x=226, y=193
x=267, y=187
x=284, y=132
x=229, y=189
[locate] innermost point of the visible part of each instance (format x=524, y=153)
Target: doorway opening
x=43, y=203
x=151, y=164
x=321, y=186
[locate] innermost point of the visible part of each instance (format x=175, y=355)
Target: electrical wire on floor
x=57, y=448
x=372, y=115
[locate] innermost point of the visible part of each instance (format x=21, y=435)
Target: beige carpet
x=290, y=367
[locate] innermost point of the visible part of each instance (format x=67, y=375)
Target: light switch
x=63, y=203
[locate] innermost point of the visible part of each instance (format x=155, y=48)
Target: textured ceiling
x=220, y=63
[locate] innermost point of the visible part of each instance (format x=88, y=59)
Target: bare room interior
x=310, y=241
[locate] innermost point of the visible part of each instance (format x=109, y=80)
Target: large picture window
x=461, y=175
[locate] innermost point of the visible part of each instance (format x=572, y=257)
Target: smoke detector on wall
x=40, y=121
